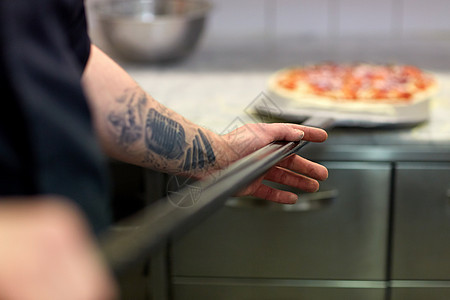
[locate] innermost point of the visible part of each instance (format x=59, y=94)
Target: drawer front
x=218, y=289
x=344, y=239
x=421, y=240
x=420, y=293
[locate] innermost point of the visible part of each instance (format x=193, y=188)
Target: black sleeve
x=46, y=124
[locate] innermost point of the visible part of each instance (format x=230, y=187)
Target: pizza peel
x=275, y=106
x=136, y=237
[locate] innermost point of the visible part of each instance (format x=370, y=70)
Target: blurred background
x=385, y=30
x=381, y=230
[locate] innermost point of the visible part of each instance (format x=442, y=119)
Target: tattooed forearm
x=128, y=122
x=168, y=144
x=135, y=128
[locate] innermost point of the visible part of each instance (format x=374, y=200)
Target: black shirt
x=47, y=144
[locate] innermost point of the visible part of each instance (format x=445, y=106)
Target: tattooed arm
x=135, y=128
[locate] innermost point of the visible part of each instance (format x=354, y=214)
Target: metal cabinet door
x=219, y=289
x=344, y=240
x=421, y=240
x=420, y=293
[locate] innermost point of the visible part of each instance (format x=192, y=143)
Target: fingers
x=246, y=139
x=289, y=178
x=308, y=181
x=293, y=132
x=274, y=195
x=312, y=134
x=303, y=166
x=282, y=132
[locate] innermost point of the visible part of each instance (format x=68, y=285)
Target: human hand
x=293, y=171
x=47, y=253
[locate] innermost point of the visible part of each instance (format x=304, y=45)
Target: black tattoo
x=195, y=150
x=201, y=151
x=200, y=159
x=128, y=123
x=209, y=151
x=167, y=138
x=164, y=136
x=187, y=160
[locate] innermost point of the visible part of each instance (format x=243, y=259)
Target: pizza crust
x=301, y=98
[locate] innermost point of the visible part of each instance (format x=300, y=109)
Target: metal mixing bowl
x=152, y=30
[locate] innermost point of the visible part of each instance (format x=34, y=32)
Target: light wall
x=329, y=18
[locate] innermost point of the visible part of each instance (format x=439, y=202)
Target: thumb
x=283, y=132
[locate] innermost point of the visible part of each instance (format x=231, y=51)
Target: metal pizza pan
x=382, y=115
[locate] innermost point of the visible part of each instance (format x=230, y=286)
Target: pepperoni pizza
x=350, y=83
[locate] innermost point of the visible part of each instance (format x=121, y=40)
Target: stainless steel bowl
x=152, y=30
